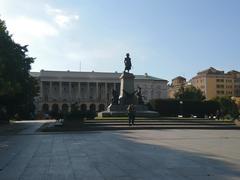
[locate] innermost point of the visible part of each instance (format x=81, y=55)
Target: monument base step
x=114, y=108
x=125, y=113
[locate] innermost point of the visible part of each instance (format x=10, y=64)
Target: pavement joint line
x=27, y=165
x=93, y=131
x=209, y=154
x=115, y=143
x=69, y=158
x=10, y=160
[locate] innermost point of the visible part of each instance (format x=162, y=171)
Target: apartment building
x=215, y=83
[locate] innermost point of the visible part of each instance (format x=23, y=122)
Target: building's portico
x=90, y=90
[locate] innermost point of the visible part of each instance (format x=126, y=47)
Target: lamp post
x=181, y=108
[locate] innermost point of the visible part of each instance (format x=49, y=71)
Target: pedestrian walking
x=131, y=114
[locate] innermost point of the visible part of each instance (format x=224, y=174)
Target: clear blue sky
x=164, y=38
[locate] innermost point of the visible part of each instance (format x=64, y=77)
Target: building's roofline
x=35, y=74
x=78, y=72
x=211, y=70
x=93, y=73
x=233, y=72
x=179, y=77
x=144, y=77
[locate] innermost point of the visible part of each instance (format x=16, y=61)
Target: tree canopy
x=189, y=93
x=17, y=87
x=227, y=106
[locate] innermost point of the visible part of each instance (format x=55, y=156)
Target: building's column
x=60, y=90
x=50, y=91
x=105, y=94
x=100, y=92
x=79, y=90
x=88, y=93
x=41, y=90
x=41, y=99
x=49, y=107
x=97, y=91
x=70, y=91
x=115, y=86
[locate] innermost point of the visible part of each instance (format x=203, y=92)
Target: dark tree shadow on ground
x=150, y=161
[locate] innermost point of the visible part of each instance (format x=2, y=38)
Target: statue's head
x=127, y=54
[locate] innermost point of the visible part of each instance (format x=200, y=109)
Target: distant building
x=236, y=76
x=91, y=90
x=214, y=83
x=177, y=83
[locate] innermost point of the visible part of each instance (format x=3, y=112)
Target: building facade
x=59, y=90
x=236, y=77
x=214, y=83
x=177, y=83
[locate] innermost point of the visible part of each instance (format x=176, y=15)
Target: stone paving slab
x=121, y=155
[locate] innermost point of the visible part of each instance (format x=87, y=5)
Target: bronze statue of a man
x=139, y=96
x=127, y=62
x=115, y=97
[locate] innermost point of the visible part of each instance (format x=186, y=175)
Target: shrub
x=78, y=117
x=172, y=107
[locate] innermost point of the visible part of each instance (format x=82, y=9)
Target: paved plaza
x=124, y=155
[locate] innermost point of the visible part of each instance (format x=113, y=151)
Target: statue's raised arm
x=127, y=62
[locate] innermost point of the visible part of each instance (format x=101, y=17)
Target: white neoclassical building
x=91, y=90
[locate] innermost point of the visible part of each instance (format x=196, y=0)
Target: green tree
x=17, y=87
x=189, y=93
x=227, y=106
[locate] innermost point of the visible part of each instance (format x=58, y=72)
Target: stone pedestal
x=127, y=96
x=127, y=89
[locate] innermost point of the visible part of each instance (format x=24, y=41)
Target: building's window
x=229, y=92
x=220, y=92
x=220, y=86
x=220, y=80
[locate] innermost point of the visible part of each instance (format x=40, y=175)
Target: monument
x=128, y=95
